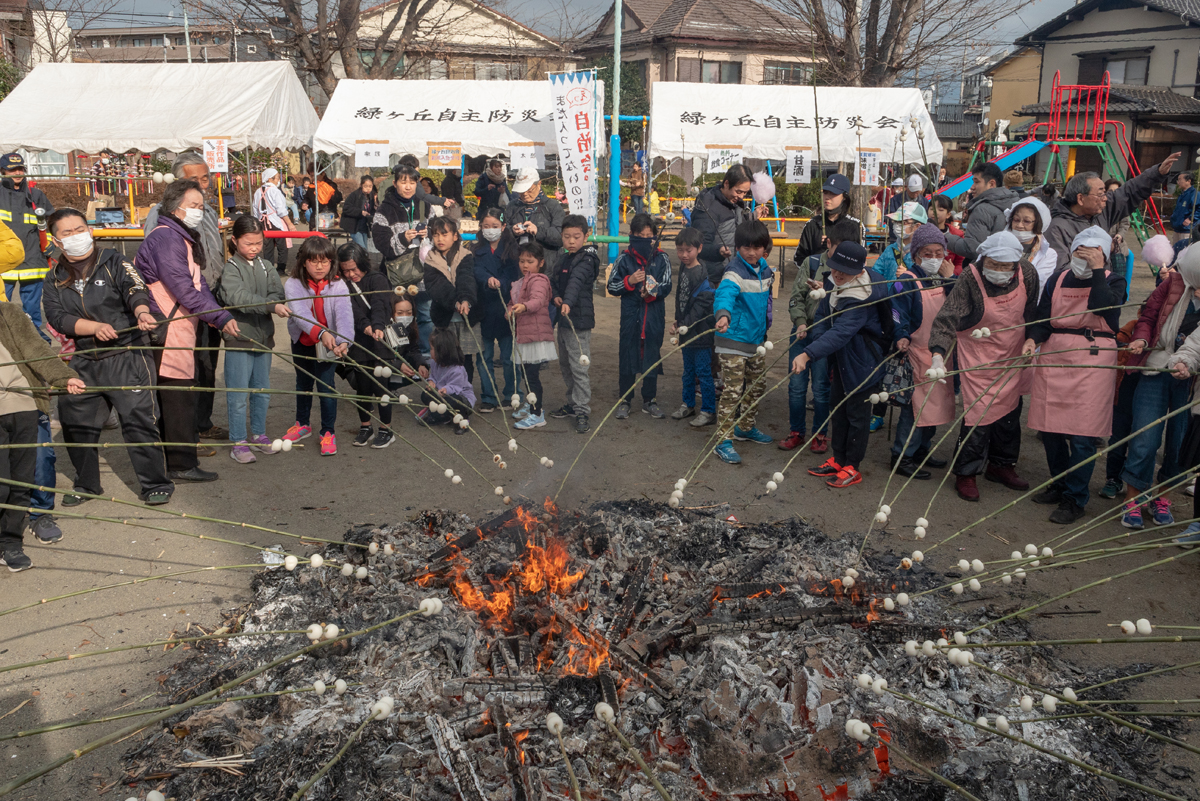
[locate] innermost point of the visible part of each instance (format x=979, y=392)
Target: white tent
x=480, y=117
x=148, y=107
x=686, y=119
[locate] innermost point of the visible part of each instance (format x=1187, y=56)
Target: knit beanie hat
x=927, y=234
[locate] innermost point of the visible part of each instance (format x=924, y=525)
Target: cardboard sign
x=722, y=157
x=799, y=164
x=216, y=153
x=527, y=154
x=371, y=153
x=445, y=155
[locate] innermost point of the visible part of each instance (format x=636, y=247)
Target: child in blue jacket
x=742, y=306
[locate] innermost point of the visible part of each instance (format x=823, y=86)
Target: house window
x=251, y=48
x=1129, y=71
x=156, y=41
x=434, y=69
x=139, y=42
x=498, y=71
x=781, y=73
x=179, y=41
x=720, y=72
x=95, y=43
x=216, y=40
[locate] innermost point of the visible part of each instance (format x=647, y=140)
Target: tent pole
x=614, y=144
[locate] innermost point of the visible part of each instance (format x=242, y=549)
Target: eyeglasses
x=319, y=262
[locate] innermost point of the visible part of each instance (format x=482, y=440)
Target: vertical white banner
x=577, y=132
x=867, y=172
x=216, y=153
x=799, y=164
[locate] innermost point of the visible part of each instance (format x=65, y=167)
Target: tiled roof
x=953, y=121
x=723, y=20
x=1136, y=99
x=1189, y=10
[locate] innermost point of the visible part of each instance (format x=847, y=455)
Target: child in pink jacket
x=530, y=309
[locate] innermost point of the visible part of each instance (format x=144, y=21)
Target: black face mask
x=642, y=246
x=9, y=183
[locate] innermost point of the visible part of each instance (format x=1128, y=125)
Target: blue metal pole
x=614, y=143
x=775, y=200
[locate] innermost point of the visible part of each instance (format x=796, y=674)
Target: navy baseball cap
x=12, y=161
x=837, y=183
x=849, y=258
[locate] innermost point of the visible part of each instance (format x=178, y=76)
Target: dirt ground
x=304, y=494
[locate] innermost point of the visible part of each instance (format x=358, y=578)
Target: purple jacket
x=338, y=312
x=451, y=380
x=163, y=257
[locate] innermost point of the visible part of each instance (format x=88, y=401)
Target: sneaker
x=876, y=423
x=622, y=410
x=1161, y=508
x=298, y=432
x=1006, y=475
x=45, y=529
x=215, y=432
x=794, y=440
x=752, y=435
x=726, y=453
x=487, y=408
x=261, y=443
x=910, y=469
x=966, y=488
x=328, y=444
x=1112, y=488
x=156, y=498
x=683, y=412
x=242, y=454
x=651, y=408
x=820, y=443
x=1051, y=495
x=846, y=477
x=582, y=424
x=1133, y=516
x=563, y=412
x=383, y=438
x=423, y=416
x=1067, y=512
x=827, y=468
x=522, y=413
x=703, y=419
x=16, y=560
x=73, y=500
x=530, y=421
x=1190, y=538
x=365, y=434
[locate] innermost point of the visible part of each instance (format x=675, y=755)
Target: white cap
x=915, y=183
x=898, y=182
x=269, y=173
x=526, y=178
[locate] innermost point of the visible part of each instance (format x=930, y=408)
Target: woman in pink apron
x=169, y=260
x=1072, y=406
x=998, y=292
x=932, y=403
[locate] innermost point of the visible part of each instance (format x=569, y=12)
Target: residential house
x=31, y=34
x=705, y=41
x=960, y=127
x=169, y=43
x=1014, y=80
x=1150, y=53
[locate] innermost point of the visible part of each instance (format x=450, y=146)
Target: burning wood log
x=447, y=553
x=634, y=590
x=454, y=757
x=625, y=660
x=514, y=756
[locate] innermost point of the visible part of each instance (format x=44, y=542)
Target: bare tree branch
x=55, y=27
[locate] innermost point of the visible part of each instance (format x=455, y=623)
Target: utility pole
x=614, y=142
x=187, y=37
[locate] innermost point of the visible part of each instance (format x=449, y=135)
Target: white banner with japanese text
x=799, y=164
x=527, y=154
x=371, y=153
x=867, y=169
x=578, y=131
x=685, y=118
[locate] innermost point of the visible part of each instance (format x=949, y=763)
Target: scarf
x=449, y=269
x=857, y=289
x=316, y=288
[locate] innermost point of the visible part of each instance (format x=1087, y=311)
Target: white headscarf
x=1001, y=246
x=1094, y=237
x=1042, y=210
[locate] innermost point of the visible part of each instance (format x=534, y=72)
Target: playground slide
x=1008, y=158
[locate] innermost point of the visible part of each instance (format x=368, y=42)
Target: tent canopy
x=761, y=121
x=149, y=107
x=481, y=117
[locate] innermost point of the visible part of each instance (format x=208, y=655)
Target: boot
x=966, y=489
x=1006, y=475
x=908, y=468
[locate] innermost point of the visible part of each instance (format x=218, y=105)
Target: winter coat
x=1065, y=224
x=210, y=239
x=1155, y=313
x=1185, y=209
x=854, y=337
x=643, y=319
x=446, y=294
x=489, y=190
x=744, y=296
x=500, y=264
x=845, y=229
x=393, y=217
x=694, y=298
x=310, y=196
x=986, y=217
x=548, y=215
x=41, y=366
x=907, y=309
x=888, y=263
x=371, y=310
x=358, y=212
x=716, y=219
x=533, y=324
x=339, y=316
x=801, y=306
x=407, y=352
x=17, y=209
x=163, y=257
x=572, y=281
x=243, y=283
x=112, y=291
x=452, y=189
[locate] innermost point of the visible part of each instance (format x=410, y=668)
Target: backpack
x=325, y=192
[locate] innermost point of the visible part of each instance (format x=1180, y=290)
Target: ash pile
x=728, y=652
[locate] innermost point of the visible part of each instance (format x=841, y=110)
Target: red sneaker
x=793, y=441
x=1006, y=475
x=820, y=443
x=965, y=486
x=846, y=477
x=828, y=468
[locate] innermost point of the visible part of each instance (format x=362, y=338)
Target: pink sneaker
x=298, y=432
x=242, y=454
x=261, y=443
x=328, y=444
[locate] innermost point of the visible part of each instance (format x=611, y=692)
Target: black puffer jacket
x=694, y=297
x=111, y=292
x=716, y=219
x=358, y=212
x=445, y=295
x=372, y=305
x=985, y=216
x=548, y=215
x=392, y=218
x=572, y=280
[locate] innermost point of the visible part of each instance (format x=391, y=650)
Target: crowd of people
x=1011, y=299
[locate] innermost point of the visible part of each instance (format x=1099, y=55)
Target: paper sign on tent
x=371, y=153
x=216, y=153
x=527, y=154
x=799, y=164
x=867, y=171
x=445, y=155
x=722, y=157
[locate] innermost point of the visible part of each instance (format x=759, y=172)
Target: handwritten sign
x=527, y=154
x=722, y=157
x=371, y=153
x=445, y=155
x=216, y=153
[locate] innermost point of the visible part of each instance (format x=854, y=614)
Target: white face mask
x=1024, y=236
x=931, y=266
x=491, y=234
x=898, y=230
x=404, y=320
x=997, y=278
x=192, y=217
x=1080, y=267
x=76, y=246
